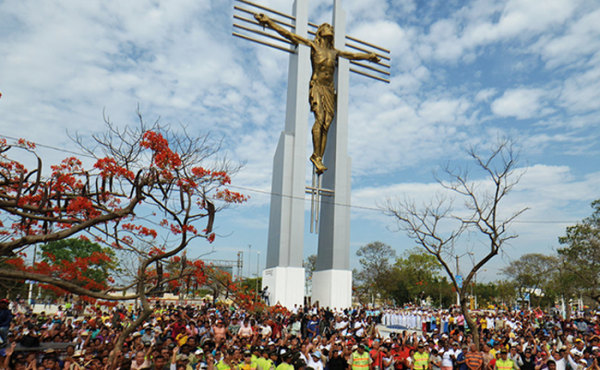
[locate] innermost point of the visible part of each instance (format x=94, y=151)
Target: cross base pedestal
x=286, y=285
x=332, y=288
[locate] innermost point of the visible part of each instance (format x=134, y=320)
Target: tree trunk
x=464, y=305
x=567, y=309
x=145, y=312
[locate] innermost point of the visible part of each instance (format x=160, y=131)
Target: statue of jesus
x=322, y=96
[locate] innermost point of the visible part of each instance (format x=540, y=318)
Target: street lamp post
x=30, y=292
x=257, y=269
x=458, y=273
x=249, y=260
x=472, y=288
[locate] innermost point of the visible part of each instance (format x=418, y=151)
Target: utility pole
x=30, y=293
x=457, y=289
x=240, y=267
x=457, y=271
x=461, y=277
x=441, y=293
x=249, y=260
x=257, y=269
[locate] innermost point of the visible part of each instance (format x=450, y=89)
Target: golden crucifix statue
x=322, y=95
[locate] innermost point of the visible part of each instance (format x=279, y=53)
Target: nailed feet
x=318, y=163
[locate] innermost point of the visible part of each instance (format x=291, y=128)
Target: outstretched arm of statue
x=265, y=21
x=372, y=57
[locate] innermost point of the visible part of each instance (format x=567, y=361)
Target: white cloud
x=443, y=110
x=581, y=38
x=62, y=62
x=554, y=195
x=521, y=19
x=360, y=9
x=406, y=129
x=481, y=23
x=485, y=94
x=521, y=103
x=581, y=92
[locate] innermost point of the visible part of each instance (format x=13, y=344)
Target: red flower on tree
x=139, y=170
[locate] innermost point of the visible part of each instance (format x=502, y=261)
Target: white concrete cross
x=284, y=275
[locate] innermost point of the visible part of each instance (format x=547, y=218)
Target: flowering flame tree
x=148, y=194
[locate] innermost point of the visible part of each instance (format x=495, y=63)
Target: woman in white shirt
x=246, y=329
x=447, y=357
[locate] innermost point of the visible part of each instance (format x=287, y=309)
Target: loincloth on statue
x=324, y=96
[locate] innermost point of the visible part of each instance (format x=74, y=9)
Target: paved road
x=49, y=309
x=385, y=330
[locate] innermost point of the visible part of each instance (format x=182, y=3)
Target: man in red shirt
x=177, y=327
x=376, y=356
x=398, y=356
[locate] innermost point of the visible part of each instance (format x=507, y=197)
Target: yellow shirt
x=285, y=366
x=244, y=366
x=504, y=365
x=221, y=365
x=181, y=339
x=421, y=360
x=360, y=362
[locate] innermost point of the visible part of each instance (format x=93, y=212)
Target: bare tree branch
x=483, y=201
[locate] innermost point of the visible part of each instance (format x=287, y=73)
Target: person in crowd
x=207, y=336
x=6, y=317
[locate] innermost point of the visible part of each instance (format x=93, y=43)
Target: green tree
x=532, y=273
x=486, y=294
x=99, y=270
x=565, y=285
x=419, y=271
x=397, y=289
x=502, y=293
x=375, y=266
x=416, y=276
x=253, y=287
x=309, y=264
x=420, y=264
x=581, y=254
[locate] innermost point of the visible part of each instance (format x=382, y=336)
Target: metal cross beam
x=253, y=31
x=316, y=191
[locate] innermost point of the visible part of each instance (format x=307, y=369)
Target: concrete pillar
x=284, y=274
x=332, y=279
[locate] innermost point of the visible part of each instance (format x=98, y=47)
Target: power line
x=301, y=198
x=378, y=209
x=545, y=222
x=51, y=147
x=290, y=196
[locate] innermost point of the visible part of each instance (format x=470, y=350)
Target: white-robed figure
x=410, y=319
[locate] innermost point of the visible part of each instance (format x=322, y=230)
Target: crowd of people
x=208, y=337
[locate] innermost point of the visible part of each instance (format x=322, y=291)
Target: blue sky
x=464, y=72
